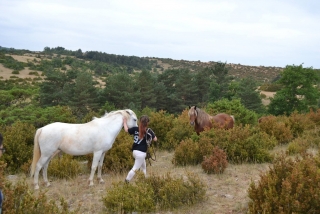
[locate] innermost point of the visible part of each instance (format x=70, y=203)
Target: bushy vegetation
x=154, y=193
x=20, y=199
x=18, y=140
x=290, y=186
x=242, y=143
x=64, y=167
x=215, y=163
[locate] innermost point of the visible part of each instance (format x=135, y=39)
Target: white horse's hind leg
x=100, y=168
x=45, y=172
x=95, y=160
x=40, y=164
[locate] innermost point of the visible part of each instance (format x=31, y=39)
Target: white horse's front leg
x=101, y=181
x=95, y=160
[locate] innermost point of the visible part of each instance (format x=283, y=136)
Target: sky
x=247, y=32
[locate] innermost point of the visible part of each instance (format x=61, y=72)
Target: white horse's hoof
x=101, y=181
x=90, y=184
x=36, y=186
x=48, y=184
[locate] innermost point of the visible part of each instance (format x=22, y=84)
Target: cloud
x=270, y=33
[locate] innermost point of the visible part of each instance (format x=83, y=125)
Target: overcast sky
x=249, y=32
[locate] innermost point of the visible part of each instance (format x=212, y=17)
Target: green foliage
x=18, y=141
x=235, y=108
x=146, y=82
x=299, y=123
x=298, y=145
x=64, y=167
x=242, y=143
x=187, y=153
x=215, y=163
x=298, y=92
x=276, y=127
x=273, y=87
x=154, y=193
x=161, y=123
x=122, y=91
x=19, y=199
x=10, y=62
x=122, y=198
x=85, y=95
x=37, y=116
x=219, y=87
x=290, y=186
x=314, y=116
x=180, y=130
x=249, y=96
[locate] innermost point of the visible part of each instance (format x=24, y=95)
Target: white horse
x=96, y=136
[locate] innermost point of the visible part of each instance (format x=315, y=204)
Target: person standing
x=140, y=145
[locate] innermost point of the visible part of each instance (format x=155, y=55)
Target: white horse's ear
x=128, y=112
x=195, y=107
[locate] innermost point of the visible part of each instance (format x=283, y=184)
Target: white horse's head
x=132, y=120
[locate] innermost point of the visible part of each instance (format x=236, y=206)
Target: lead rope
x=149, y=155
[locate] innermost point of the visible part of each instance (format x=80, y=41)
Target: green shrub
x=314, y=116
x=277, y=127
x=187, y=153
x=215, y=163
x=298, y=145
x=181, y=130
x=242, y=143
x=15, y=72
x=154, y=193
x=241, y=114
x=123, y=198
x=299, y=123
x=290, y=186
x=21, y=200
x=161, y=123
x=64, y=167
x=18, y=141
x=273, y=87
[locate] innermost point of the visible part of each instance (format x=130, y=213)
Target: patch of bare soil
x=23, y=58
x=226, y=193
x=6, y=73
x=266, y=101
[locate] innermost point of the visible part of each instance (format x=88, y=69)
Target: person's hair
x=1, y=139
x=144, y=120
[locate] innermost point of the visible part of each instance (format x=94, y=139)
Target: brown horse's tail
x=234, y=120
x=36, y=152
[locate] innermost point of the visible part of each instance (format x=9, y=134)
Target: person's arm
x=125, y=126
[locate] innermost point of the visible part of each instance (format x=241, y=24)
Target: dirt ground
x=226, y=193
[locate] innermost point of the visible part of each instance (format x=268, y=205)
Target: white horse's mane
x=111, y=113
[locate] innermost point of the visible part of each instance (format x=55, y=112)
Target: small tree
x=298, y=92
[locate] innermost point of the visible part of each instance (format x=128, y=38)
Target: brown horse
x=200, y=119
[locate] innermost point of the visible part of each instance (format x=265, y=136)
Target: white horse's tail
x=36, y=152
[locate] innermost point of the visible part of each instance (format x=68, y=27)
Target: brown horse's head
x=193, y=114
